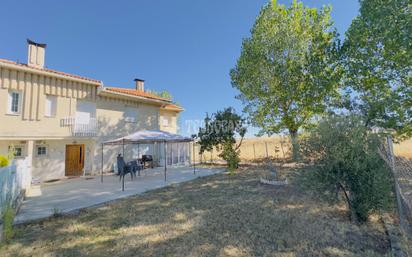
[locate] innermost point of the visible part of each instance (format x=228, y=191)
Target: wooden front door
x=74, y=160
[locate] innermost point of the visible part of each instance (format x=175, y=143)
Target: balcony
x=80, y=127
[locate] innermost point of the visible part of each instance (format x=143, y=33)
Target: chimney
x=36, y=54
x=139, y=84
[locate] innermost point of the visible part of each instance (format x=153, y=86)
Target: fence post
x=404, y=225
x=281, y=146
x=254, y=152
x=171, y=152
x=266, y=147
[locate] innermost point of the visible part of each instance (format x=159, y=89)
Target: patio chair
x=123, y=167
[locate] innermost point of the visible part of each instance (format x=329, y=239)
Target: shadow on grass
x=210, y=216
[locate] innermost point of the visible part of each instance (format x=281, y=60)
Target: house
x=55, y=122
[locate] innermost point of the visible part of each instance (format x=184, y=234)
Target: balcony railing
x=80, y=127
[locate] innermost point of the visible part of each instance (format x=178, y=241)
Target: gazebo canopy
x=148, y=137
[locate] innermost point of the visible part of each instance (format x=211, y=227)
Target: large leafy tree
x=286, y=73
x=377, y=56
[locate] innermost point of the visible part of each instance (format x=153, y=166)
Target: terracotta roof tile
x=132, y=92
x=135, y=92
x=173, y=107
x=50, y=71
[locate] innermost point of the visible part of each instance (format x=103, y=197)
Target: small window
x=18, y=150
x=130, y=114
x=14, y=102
x=50, y=106
x=165, y=122
x=41, y=150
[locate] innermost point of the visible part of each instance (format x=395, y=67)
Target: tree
x=220, y=132
x=347, y=161
x=164, y=94
x=287, y=73
x=377, y=56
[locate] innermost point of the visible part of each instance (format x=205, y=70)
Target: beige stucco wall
x=31, y=124
x=45, y=127
x=172, y=116
x=112, y=124
x=34, y=88
x=52, y=165
x=111, y=117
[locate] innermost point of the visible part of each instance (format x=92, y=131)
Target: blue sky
x=186, y=47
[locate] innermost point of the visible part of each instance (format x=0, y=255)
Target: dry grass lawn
x=211, y=216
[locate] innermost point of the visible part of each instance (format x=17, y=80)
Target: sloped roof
x=172, y=107
x=50, y=71
x=127, y=91
x=134, y=92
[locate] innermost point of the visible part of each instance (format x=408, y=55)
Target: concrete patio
x=73, y=194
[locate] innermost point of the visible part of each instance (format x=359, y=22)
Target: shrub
x=346, y=160
x=8, y=217
x=4, y=161
x=231, y=156
x=220, y=132
x=56, y=212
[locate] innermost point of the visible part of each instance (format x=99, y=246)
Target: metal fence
x=251, y=149
x=401, y=168
x=11, y=181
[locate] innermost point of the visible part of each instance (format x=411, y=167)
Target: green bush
x=347, y=163
x=220, y=132
x=4, y=161
x=231, y=156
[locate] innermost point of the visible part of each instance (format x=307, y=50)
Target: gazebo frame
x=164, y=137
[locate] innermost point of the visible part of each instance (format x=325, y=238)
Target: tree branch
x=240, y=143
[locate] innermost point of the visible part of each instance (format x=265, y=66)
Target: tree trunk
x=295, y=145
x=352, y=215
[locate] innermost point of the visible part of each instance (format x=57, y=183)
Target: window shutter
x=47, y=110
x=50, y=106
x=10, y=102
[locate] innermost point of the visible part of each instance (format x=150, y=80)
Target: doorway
x=74, y=160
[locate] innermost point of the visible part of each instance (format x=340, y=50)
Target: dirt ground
x=220, y=215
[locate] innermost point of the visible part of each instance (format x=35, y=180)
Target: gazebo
x=149, y=137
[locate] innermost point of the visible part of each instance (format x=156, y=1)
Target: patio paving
x=73, y=194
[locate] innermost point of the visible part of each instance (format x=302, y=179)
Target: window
x=130, y=114
x=165, y=122
x=50, y=106
x=41, y=150
x=14, y=102
x=17, y=150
